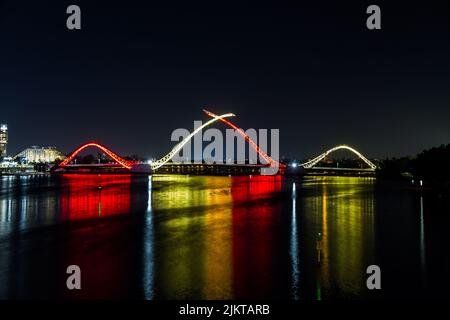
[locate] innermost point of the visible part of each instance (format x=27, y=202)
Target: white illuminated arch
x=311, y=163
x=159, y=163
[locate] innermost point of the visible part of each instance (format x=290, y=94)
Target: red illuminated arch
x=124, y=163
x=265, y=156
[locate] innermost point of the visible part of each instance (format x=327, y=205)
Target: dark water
x=177, y=237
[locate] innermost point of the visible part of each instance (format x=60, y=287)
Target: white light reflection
x=422, y=242
x=148, y=247
x=294, y=247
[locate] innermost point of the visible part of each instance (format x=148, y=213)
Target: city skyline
x=132, y=75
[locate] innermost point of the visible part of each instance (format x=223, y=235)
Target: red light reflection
x=253, y=222
x=88, y=196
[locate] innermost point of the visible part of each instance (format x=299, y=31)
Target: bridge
x=163, y=165
x=310, y=167
x=123, y=165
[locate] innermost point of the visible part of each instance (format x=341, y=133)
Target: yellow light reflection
x=343, y=211
x=200, y=264
x=218, y=240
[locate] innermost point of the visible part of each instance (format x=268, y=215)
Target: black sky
x=138, y=70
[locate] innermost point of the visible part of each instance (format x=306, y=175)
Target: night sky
x=136, y=71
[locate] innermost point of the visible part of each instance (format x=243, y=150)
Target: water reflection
x=256, y=234
x=422, y=244
x=180, y=268
x=148, y=246
x=22, y=204
x=342, y=210
x=213, y=237
x=89, y=196
x=177, y=237
x=294, y=247
x=218, y=238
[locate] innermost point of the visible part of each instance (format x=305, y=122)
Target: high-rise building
x=3, y=139
x=36, y=154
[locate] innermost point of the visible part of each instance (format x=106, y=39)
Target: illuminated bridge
x=123, y=165
x=311, y=166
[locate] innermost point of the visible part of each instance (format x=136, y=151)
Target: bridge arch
x=159, y=163
x=129, y=164
x=124, y=163
x=264, y=155
x=311, y=163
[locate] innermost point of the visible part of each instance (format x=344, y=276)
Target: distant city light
x=8, y=162
x=294, y=164
x=3, y=139
x=35, y=154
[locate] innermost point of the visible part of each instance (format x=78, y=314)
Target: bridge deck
x=343, y=169
x=329, y=171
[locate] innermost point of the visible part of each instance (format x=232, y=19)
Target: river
x=204, y=237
